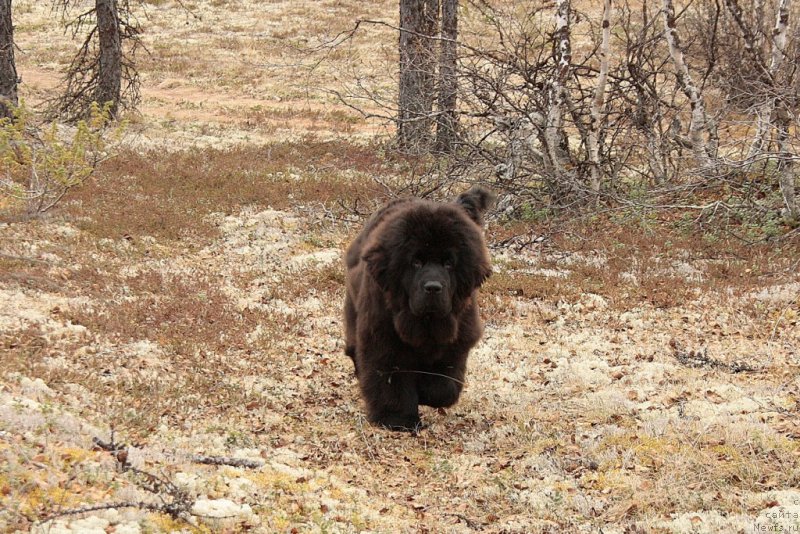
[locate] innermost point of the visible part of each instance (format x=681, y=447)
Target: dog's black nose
x=432, y=286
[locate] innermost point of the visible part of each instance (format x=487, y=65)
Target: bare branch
x=227, y=460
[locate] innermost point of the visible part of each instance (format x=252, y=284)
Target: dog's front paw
x=399, y=423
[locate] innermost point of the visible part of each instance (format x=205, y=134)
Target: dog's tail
x=475, y=202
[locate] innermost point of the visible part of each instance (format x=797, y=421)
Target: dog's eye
x=417, y=264
x=448, y=264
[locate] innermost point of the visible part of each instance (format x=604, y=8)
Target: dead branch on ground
x=699, y=359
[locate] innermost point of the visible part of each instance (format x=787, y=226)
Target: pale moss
x=543, y=444
x=606, y=479
x=277, y=480
x=73, y=454
x=157, y=523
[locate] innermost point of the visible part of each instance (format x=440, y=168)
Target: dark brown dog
x=411, y=313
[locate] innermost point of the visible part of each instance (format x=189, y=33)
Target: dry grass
x=659, y=265
x=190, y=299
x=203, y=327
x=170, y=196
x=232, y=72
x=199, y=330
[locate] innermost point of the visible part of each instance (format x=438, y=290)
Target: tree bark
x=418, y=24
x=785, y=117
x=786, y=177
x=598, y=102
x=767, y=107
x=8, y=70
x=447, y=122
x=758, y=9
x=110, y=61
x=697, y=125
x=773, y=110
x=557, y=98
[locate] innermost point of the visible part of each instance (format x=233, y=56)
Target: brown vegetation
x=189, y=300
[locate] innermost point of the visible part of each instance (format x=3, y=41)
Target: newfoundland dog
x=411, y=313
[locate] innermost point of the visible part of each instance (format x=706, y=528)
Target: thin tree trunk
x=750, y=45
x=446, y=122
x=763, y=127
x=785, y=116
x=8, y=70
x=554, y=130
x=418, y=23
x=786, y=177
x=655, y=155
x=697, y=126
x=758, y=8
x=765, y=110
x=598, y=102
x=779, y=34
x=110, y=64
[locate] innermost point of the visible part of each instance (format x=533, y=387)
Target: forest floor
x=635, y=375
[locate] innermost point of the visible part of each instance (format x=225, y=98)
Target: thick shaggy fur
x=411, y=314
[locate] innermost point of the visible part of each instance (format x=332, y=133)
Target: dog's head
x=430, y=257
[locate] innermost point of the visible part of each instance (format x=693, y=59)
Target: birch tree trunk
x=766, y=109
x=785, y=116
x=8, y=70
x=697, y=125
x=598, y=102
x=786, y=175
x=110, y=60
x=758, y=8
x=554, y=130
x=446, y=122
x=779, y=34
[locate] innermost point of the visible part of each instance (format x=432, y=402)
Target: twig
x=518, y=242
x=149, y=506
x=470, y=523
x=180, y=505
x=701, y=359
x=370, y=448
x=188, y=10
x=778, y=322
x=227, y=460
x=414, y=371
x=358, y=214
x=118, y=450
x=23, y=258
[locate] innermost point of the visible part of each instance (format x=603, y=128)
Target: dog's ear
x=476, y=270
x=472, y=279
x=482, y=272
x=475, y=202
x=377, y=260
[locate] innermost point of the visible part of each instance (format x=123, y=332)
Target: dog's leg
x=391, y=398
x=440, y=386
x=350, y=329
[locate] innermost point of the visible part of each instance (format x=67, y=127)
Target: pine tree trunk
x=418, y=23
x=8, y=70
x=110, y=65
x=446, y=122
